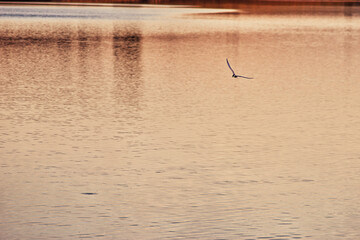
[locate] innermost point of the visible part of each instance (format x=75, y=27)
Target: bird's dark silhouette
x=234, y=75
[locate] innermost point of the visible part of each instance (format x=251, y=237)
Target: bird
x=234, y=75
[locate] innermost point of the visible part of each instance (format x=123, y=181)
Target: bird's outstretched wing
x=230, y=66
x=244, y=77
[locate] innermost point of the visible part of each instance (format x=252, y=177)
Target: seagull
x=234, y=75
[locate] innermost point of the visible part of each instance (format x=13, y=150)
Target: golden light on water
x=125, y=123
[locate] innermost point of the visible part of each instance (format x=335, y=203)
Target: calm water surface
x=125, y=123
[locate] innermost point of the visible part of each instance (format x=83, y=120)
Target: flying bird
x=234, y=75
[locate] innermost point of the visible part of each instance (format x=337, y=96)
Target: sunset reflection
x=123, y=121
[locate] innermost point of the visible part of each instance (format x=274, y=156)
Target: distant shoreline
x=188, y=2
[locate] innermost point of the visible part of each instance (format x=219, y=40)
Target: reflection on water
x=129, y=125
x=127, y=63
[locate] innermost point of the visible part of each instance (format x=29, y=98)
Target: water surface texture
x=125, y=123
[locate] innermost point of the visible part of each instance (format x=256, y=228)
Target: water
x=125, y=123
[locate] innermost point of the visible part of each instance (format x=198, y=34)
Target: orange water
x=125, y=123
